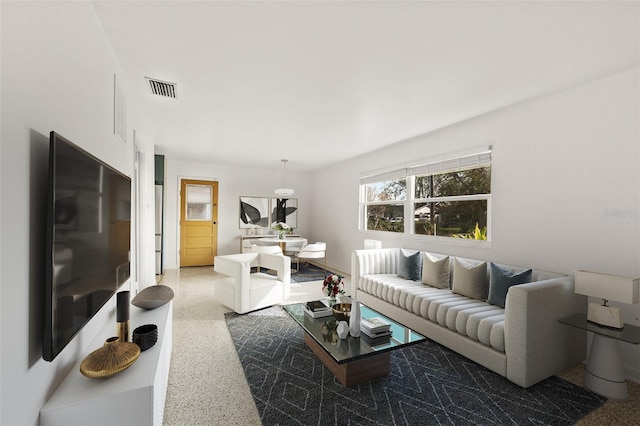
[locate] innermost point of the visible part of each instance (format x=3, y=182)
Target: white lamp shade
x=284, y=192
x=609, y=287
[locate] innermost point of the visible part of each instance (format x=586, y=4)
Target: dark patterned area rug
x=308, y=272
x=428, y=385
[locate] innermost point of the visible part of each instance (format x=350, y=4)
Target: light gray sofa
x=523, y=341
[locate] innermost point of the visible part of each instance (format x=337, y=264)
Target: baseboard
x=332, y=269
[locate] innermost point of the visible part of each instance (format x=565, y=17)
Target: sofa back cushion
x=500, y=279
x=436, y=270
x=470, y=279
x=410, y=265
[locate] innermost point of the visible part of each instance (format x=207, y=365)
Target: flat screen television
x=88, y=240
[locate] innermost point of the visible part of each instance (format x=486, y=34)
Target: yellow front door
x=198, y=222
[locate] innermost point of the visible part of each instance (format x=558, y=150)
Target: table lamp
x=608, y=288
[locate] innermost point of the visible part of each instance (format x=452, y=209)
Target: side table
x=604, y=374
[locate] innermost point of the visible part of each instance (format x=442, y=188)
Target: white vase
x=342, y=329
x=354, y=319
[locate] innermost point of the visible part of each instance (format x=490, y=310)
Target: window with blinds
x=450, y=198
x=198, y=202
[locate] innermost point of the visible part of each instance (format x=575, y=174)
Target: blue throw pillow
x=500, y=279
x=410, y=265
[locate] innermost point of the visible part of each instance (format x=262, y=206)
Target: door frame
x=137, y=259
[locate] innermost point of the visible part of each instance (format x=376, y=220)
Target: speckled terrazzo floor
x=206, y=381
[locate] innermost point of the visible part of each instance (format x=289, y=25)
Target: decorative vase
x=332, y=301
x=281, y=235
x=354, y=319
x=115, y=356
x=145, y=336
x=342, y=311
x=153, y=297
x=122, y=315
x=342, y=329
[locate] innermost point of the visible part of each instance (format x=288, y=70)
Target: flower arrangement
x=333, y=285
x=282, y=227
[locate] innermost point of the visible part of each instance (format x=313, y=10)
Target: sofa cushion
x=473, y=318
x=500, y=279
x=435, y=272
x=410, y=265
x=470, y=280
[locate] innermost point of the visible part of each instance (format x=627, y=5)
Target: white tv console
x=134, y=396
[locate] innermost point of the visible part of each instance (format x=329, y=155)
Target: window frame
x=410, y=201
x=364, y=204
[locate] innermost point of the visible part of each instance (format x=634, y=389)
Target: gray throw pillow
x=470, y=280
x=410, y=265
x=500, y=279
x=435, y=272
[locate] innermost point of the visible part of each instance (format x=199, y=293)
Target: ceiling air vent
x=162, y=88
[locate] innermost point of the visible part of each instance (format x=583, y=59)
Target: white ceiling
x=319, y=82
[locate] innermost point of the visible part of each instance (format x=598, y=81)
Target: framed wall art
x=254, y=212
x=284, y=210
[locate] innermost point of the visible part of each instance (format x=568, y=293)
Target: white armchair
x=244, y=291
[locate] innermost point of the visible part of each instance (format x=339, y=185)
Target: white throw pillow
x=470, y=280
x=435, y=272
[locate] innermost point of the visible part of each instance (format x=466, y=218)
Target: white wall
x=565, y=186
x=57, y=74
x=147, y=275
x=234, y=182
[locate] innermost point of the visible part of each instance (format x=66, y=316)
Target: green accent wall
x=159, y=169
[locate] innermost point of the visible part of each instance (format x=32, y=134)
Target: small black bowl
x=145, y=336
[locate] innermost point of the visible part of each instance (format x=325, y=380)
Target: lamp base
x=604, y=373
x=605, y=315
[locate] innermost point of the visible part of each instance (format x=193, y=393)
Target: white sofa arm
x=238, y=267
x=536, y=344
x=282, y=265
x=234, y=264
x=376, y=261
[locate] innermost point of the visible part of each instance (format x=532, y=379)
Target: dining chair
x=293, y=248
x=266, y=249
x=316, y=250
x=247, y=246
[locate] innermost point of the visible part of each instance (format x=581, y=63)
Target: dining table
x=283, y=241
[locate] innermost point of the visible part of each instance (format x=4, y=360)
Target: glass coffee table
x=352, y=360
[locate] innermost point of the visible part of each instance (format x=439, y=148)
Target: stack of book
x=317, y=309
x=375, y=330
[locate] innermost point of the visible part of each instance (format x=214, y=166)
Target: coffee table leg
x=354, y=372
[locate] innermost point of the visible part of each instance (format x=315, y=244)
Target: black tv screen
x=88, y=240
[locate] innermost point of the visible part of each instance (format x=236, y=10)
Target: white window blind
x=455, y=164
x=385, y=176
x=466, y=162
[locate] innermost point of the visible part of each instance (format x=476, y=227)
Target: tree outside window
x=384, y=205
x=452, y=204
x=446, y=199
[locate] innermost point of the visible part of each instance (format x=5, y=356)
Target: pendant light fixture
x=284, y=191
